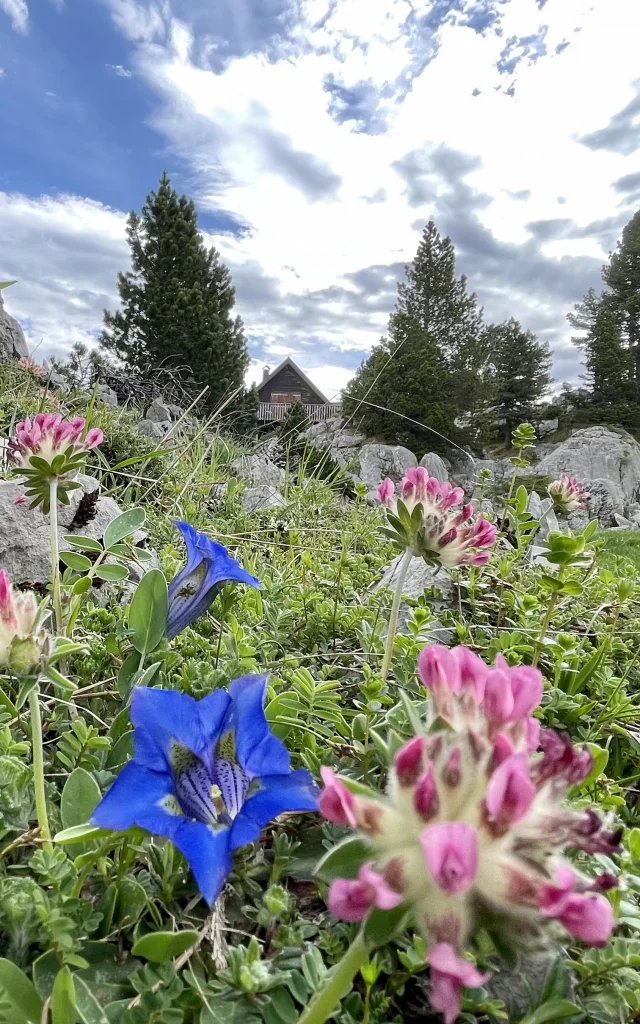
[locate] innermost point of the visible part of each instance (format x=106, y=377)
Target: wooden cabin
x=280, y=388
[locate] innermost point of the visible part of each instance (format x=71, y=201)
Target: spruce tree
x=423, y=369
x=177, y=300
x=521, y=373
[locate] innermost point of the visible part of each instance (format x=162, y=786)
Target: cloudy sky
x=317, y=138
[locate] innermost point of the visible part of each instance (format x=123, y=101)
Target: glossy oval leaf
x=88, y=1007
x=78, y=834
x=80, y=797
x=343, y=860
x=63, y=999
x=162, y=946
x=84, y=543
x=16, y=987
x=76, y=561
x=148, y=612
x=123, y=526
x=112, y=573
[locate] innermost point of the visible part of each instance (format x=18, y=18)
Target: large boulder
x=106, y=394
x=343, y=445
x=597, y=453
x=376, y=461
x=542, y=510
x=259, y=471
x=25, y=550
x=605, y=502
x=435, y=466
x=13, y=344
x=158, y=412
x=148, y=428
x=261, y=498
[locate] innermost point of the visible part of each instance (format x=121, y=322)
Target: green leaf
x=556, y=1009
x=78, y=833
x=124, y=526
x=84, y=543
x=280, y=1009
x=148, y=612
x=600, y=760
x=26, y=1004
x=121, y=751
x=88, y=1007
x=76, y=561
x=573, y=588
x=132, y=899
x=80, y=797
x=556, y=983
x=162, y=946
x=6, y=284
x=633, y=842
x=382, y=926
x=343, y=860
x=127, y=671
x=82, y=585
x=63, y=999
x=112, y=573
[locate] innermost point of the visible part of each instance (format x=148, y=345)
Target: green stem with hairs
x=38, y=766
x=336, y=983
x=55, y=555
x=395, y=608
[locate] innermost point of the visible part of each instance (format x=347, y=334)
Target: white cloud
x=119, y=70
x=18, y=11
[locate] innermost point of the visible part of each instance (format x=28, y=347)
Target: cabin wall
x=287, y=382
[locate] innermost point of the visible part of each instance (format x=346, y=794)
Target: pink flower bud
x=425, y=798
x=532, y=734
x=502, y=749
x=451, y=853
x=6, y=598
x=588, y=916
x=351, y=900
x=473, y=671
x=336, y=803
x=526, y=687
x=510, y=791
x=448, y=974
x=94, y=438
x=439, y=669
x=408, y=761
x=498, y=698
x=386, y=491
x=451, y=773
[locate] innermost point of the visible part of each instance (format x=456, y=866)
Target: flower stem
x=38, y=766
x=395, y=608
x=553, y=600
x=336, y=983
x=55, y=554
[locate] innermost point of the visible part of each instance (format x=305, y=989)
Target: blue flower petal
x=257, y=749
x=277, y=794
x=135, y=791
x=163, y=717
x=209, y=566
x=207, y=853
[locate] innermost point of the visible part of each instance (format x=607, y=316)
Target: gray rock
x=106, y=394
x=259, y=471
x=219, y=491
x=542, y=510
x=261, y=498
x=435, y=466
x=421, y=577
x=150, y=429
x=24, y=538
x=158, y=412
x=376, y=461
x=597, y=453
x=176, y=411
x=12, y=340
x=55, y=379
x=545, y=427
x=520, y=986
x=605, y=502
x=537, y=555
x=623, y=522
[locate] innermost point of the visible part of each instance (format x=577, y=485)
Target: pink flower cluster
x=22, y=639
x=568, y=493
x=446, y=529
x=473, y=824
x=48, y=436
x=29, y=364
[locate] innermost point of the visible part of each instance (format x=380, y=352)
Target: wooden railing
x=269, y=412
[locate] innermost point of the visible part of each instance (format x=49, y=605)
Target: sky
x=317, y=138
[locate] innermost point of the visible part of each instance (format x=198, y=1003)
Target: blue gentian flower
x=209, y=566
x=207, y=774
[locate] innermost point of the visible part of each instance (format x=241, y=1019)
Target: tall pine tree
x=610, y=369
x=422, y=369
x=177, y=300
x=623, y=279
x=521, y=367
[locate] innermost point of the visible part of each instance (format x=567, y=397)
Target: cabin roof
x=289, y=362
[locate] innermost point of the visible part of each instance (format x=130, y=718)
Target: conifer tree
x=521, y=367
x=623, y=279
x=423, y=368
x=177, y=300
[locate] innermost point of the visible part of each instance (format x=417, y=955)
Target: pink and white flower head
x=29, y=364
x=23, y=641
x=473, y=825
x=568, y=493
x=441, y=528
x=49, y=436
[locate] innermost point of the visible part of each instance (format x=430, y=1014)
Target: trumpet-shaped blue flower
x=207, y=774
x=209, y=566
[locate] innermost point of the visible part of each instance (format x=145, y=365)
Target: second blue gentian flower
x=209, y=567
